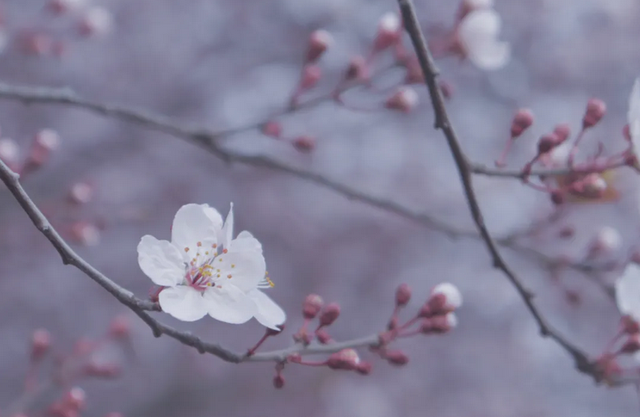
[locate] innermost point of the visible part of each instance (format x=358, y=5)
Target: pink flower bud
x=404, y=99
x=592, y=185
x=329, y=314
x=45, y=142
x=388, y=31
x=631, y=345
x=607, y=240
x=595, y=111
x=363, y=368
x=347, y=359
x=311, y=74
x=278, y=381
x=81, y=193
x=40, y=344
x=75, y=398
x=311, y=306
x=403, y=295
x=97, y=21
x=102, y=371
x=414, y=73
x=304, y=143
x=9, y=151
x=522, y=120
x=358, y=69
x=319, y=42
x=629, y=324
x=547, y=142
x=272, y=129
x=444, y=298
x=439, y=324
x=119, y=327
x=396, y=357
x=85, y=233
x=323, y=337
x=562, y=132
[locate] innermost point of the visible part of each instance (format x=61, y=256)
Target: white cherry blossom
x=478, y=36
x=628, y=292
x=206, y=271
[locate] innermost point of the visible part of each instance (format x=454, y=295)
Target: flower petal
x=227, y=230
x=214, y=215
x=244, y=269
x=183, y=303
x=628, y=291
x=484, y=23
x=245, y=242
x=160, y=261
x=490, y=55
x=229, y=304
x=193, y=224
x=269, y=313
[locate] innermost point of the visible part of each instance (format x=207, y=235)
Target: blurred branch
x=140, y=307
x=466, y=170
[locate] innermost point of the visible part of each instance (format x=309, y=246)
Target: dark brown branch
x=442, y=122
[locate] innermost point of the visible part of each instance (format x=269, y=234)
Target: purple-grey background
x=225, y=63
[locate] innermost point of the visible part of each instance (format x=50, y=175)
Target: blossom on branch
x=206, y=271
x=628, y=292
x=478, y=39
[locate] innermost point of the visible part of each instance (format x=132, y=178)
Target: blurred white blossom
x=478, y=35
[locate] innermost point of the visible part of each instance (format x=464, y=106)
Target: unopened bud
x=444, y=298
x=347, y=359
x=439, y=324
x=81, y=193
x=329, y=314
x=97, y=21
x=85, y=233
x=278, y=381
x=592, y=185
x=319, y=42
x=631, y=345
x=403, y=295
x=9, y=151
x=311, y=74
x=595, y=111
x=358, y=69
x=40, y=343
x=311, y=306
x=37, y=43
x=45, y=142
x=102, y=371
x=323, y=337
x=119, y=327
x=547, y=142
x=522, y=120
x=562, y=132
x=404, y=99
x=607, y=240
x=388, y=31
x=396, y=357
x=364, y=368
x=75, y=398
x=304, y=143
x=629, y=324
x=272, y=129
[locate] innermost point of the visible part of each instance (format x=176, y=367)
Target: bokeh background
x=226, y=63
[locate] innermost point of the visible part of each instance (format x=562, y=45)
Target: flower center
x=200, y=272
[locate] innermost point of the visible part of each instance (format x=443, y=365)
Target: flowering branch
x=466, y=170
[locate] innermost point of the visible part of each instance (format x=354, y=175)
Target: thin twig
x=442, y=122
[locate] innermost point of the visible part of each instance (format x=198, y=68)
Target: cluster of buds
x=436, y=316
x=81, y=18
x=84, y=361
x=44, y=143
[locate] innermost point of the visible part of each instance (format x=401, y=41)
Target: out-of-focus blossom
x=628, y=292
x=96, y=21
x=389, y=31
x=206, y=271
x=9, y=150
x=403, y=99
x=478, y=36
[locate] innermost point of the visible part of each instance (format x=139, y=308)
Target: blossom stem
x=264, y=337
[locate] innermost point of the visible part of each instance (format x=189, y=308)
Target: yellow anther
x=233, y=265
x=186, y=249
x=271, y=284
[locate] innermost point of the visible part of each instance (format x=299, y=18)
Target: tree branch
x=465, y=169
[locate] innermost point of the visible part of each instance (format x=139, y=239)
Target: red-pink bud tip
x=364, y=368
x=311, y=74
x=119, y=327
x=323, y=337
x=329, y=314
x=311, y=306
x=346, y=359
x=596, y=109
x=522, y=120
x=389, y=31
x=404, y=99
x=278, y=381
x=403, y=295
x=444, y=298
x=304, y=143
x=275, y=332
x=396, y=357
x=272, y=129
x=547, y=142
x=562, y=132
x=40, y=343
x=358, y=69
x=319, y=42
